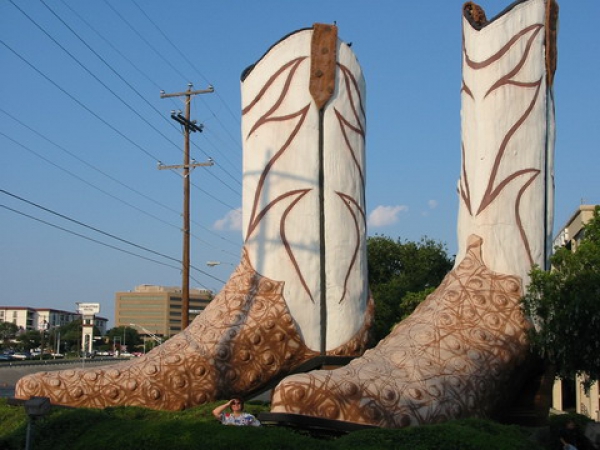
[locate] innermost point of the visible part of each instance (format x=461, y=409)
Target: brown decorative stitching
x=491, y=193
x=524, y=238
x=287, y=247
x=349, y=79
x=506, y=79
x=347, y=200
x=496, y=56
x=444, y=362
x=465, y=192
x=294, y=63
x=252, y=222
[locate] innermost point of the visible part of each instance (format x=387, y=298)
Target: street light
x=217, y=263
x=153, y=336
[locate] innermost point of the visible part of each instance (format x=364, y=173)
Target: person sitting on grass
x=237, y=416
x=570, y=438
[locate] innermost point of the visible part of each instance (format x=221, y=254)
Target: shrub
x=138, y=428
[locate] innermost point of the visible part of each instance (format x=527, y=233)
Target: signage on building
x=88, y=309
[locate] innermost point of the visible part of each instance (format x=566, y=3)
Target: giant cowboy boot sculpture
x=458, y=353
x=301, y=288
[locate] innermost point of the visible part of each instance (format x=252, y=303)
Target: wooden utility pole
x=188, y=126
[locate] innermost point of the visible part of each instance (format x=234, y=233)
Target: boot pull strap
x=323, y=57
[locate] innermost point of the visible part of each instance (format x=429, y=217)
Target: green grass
x=135, y=428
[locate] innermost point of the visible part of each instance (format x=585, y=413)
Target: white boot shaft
x=506, y=184
x=288, y=207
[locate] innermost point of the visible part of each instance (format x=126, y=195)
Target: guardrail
x=46, y=362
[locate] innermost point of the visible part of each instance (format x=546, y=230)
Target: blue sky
x=82, y=128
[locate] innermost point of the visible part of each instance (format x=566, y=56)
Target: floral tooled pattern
x=451, y=358
x=244, y=338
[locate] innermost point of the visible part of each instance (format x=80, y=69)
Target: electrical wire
x=193, y=66
x=80, y=103
x=105, y=122
x=95, y=77
x=83, y=180
x=97, y=230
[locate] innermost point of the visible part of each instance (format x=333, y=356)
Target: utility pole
x=188, y=127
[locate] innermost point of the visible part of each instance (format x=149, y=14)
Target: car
x=6, y=358
x=21, y=356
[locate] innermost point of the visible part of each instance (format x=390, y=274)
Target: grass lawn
x=138, y=428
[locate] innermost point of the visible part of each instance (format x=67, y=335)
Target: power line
x=64, y=91
x=97, y=230
x=189, y=126
x=80, y=64
x=166, y=61
x=112, y=46
x=129, y=85
x=118, y=97
x=62, y=216
x=105, y=122
x=84, y=237
x=193, y=66
x=85, y=181
x=145, y=75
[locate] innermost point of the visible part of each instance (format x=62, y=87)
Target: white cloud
x=231, y=221
x=385, y=215
x=432, y=204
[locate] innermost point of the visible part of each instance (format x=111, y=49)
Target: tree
x=8, y=331
x=29, y=340
x=125, y=336
x=399, y=272
x=70, y=335
x=565, y=306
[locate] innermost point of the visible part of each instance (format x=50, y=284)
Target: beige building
x=156, y=310
x=569, y=395
x=43, y=318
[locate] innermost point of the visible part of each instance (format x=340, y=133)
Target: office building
x=156, y=310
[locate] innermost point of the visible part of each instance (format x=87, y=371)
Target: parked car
x=21, y=355
x=6, y=358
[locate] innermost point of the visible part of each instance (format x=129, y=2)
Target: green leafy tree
x=29, y=340
x=70, y=335
x=125, y=335
x=413, y=299
x=8, y=331
x=401, y=274
x=565, y=305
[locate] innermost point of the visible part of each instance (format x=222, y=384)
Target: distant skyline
x=84, y=210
